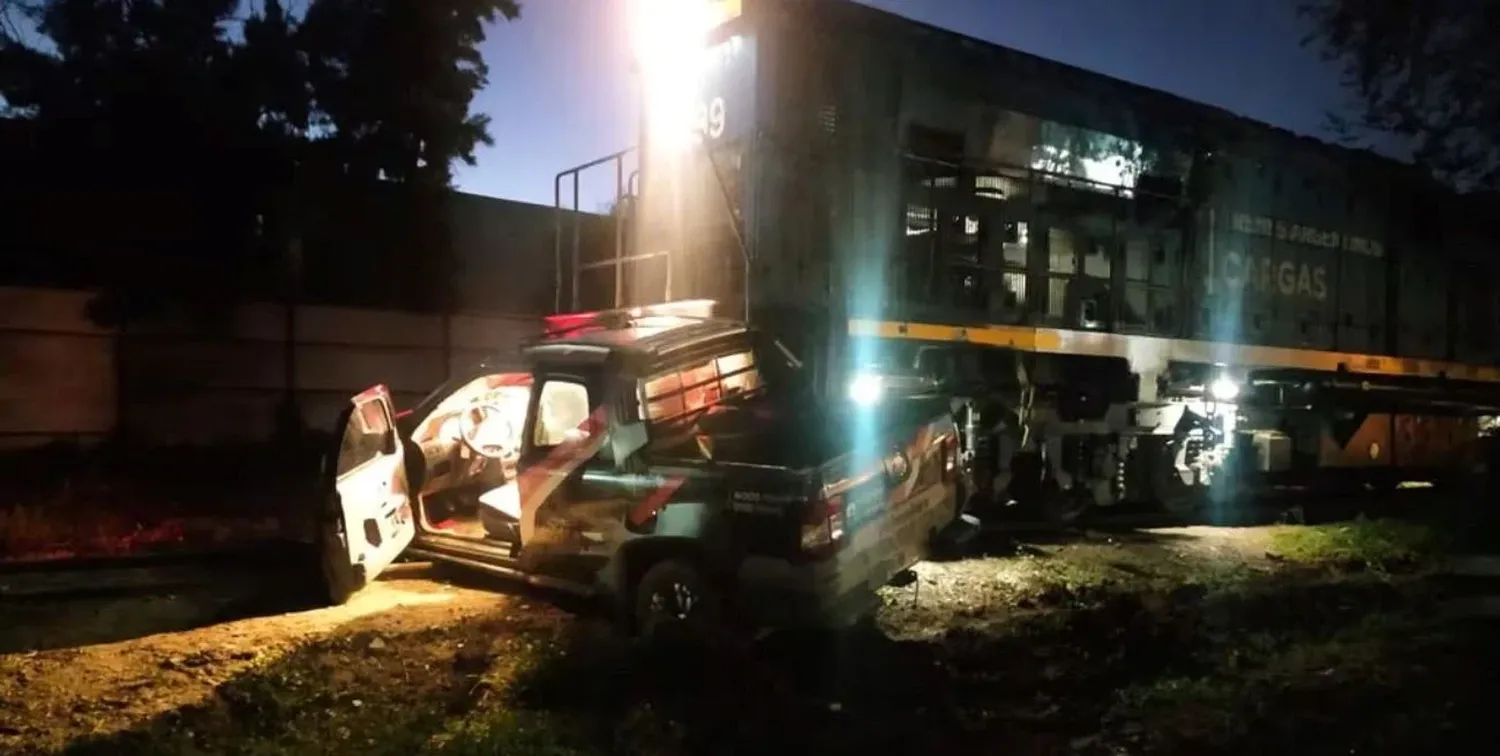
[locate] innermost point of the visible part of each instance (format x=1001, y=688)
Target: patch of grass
x=1374, y=544
x=517, y=731
x=511, y=732
x=1214, y=575
x=1208, y=654
x=1205, y=710
x=1260, y=685
x=1101, y=571
x=457, y=690
x=1074, y=574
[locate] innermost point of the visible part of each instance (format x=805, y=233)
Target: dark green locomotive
x=1137, y=295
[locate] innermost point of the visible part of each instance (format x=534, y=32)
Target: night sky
x=561, y=93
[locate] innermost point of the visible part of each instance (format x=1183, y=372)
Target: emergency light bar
x=572, y=322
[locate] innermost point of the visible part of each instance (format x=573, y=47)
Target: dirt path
x=50, y=697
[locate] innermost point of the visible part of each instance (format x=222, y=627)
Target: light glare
x=670, y=38
x=866, y=389
x=1224, y=390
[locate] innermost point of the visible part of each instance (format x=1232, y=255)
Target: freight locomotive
x=1138, y=297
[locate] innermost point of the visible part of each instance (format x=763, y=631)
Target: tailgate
x=905, y=470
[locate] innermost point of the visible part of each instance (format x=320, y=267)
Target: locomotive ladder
x=569, y=219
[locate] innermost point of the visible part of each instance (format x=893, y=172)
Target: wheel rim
x=673, y=602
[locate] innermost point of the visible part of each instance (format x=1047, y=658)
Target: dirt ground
x=1185, y=640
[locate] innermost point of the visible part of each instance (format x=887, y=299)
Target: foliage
x=12, y=20
x=1424, y=71
x=1374, y=544
x=209, y=128
x=393, y=81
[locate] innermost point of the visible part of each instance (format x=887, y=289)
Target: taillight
x=823, y=525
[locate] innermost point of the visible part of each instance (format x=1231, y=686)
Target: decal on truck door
x=652, y=504
x=569, y=434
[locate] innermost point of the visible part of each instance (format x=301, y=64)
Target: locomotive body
x=1135, y=296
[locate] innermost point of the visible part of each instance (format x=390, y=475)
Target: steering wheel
x=488, y=431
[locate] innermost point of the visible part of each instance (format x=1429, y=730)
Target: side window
x=694, y=387
x=366, y=436
x=562, y=414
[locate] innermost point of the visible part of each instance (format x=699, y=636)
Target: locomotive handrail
x=621, y=183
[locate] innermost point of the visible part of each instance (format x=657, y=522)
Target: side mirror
x=625, y=439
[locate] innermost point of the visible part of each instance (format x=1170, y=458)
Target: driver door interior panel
x=470, y=447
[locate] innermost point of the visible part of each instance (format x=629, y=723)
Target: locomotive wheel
x=1028, y=488
x=1067, y=507
x=1182, y=501
x=1055, y=506
x=1170, y=493
x=1174, y=496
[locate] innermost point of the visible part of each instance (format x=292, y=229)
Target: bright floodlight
x=1224, y=390
x=669, y=38
x=866, y=389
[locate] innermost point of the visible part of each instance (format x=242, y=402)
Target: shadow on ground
x=1002, y=542
x=75, y=605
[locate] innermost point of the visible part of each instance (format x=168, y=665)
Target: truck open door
x=365, y=517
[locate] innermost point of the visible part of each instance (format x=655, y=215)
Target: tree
x=1424, y=71
x=131, y=102
x=212, y=145
x=15, y=19
x=393, y=81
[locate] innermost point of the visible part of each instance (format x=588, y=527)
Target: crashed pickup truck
x=674, y=466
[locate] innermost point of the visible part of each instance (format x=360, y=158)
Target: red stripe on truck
x=652, y=504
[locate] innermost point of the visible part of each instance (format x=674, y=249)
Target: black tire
x=341, y=580
x=675, y=601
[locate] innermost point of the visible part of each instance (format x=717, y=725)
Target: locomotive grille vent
x=828, y=119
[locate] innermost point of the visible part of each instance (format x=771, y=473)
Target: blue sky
x=561, y=94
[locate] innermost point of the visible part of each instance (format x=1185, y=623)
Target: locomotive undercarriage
x=1060, y=435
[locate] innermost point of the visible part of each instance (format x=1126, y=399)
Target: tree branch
x=1423, y=71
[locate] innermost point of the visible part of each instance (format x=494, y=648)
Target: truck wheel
x=675, y=601
x=341, y=579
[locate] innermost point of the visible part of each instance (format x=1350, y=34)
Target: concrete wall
x=61, y=376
